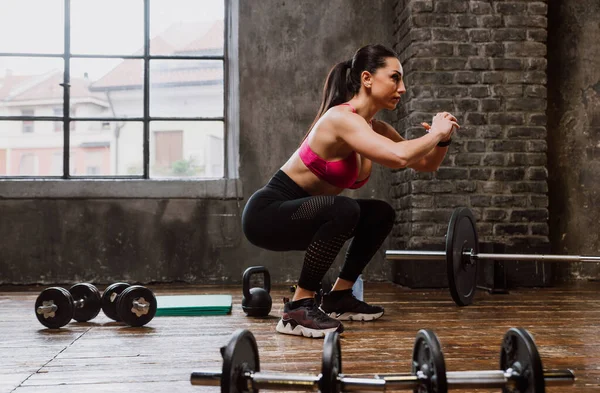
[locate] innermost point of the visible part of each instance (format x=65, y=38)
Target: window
x=58, y=125
x=73, y=122
x=152, y=89
x=216, y=161
x=27, y=124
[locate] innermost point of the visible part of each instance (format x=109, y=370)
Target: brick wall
x=484, y=61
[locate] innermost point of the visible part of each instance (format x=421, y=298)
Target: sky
x=114, y=27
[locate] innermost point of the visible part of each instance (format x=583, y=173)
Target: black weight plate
x=428, y=359
x=520, y=353
x=63, y=300
x=125, y=303
x=239, y=356
x=461, y=236
x=92, y=303
x=109, y=299
x=331, y=366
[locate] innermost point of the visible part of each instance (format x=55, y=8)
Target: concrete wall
x=574, y=132
x=286, y=51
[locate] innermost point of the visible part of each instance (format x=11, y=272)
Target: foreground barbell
x=462, y=254
x=520, y=370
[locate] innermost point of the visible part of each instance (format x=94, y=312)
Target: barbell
x=462, y=254
x=520, y=369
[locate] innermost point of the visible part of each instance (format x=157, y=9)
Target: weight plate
x=331, y=365
x=64, y=302
x=128, y=303
x=239, y=356
x=109, y=299
x=428, y=363
x=461, y=237
x=92, y=301
x=520, y=354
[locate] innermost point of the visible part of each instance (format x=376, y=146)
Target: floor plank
x=102, y=355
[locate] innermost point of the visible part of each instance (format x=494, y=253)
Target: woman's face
x=387, y=84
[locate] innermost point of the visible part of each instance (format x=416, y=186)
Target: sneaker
x=304, y=318
x=342, y=305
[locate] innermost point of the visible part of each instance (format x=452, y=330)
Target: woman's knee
x=346, y=212
x=377, y=209
x=378, y=212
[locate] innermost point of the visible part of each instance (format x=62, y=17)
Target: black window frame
x=145, y=119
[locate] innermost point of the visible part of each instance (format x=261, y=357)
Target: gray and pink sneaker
x=304, y=318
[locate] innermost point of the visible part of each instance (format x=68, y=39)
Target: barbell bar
x=462, y=254
x=441, y=256
x=521, y=370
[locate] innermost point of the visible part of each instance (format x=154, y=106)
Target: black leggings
x=282, y=217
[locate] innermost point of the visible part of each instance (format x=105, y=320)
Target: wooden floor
x=106, y=357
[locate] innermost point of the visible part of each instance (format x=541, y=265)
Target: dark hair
x=342, y=85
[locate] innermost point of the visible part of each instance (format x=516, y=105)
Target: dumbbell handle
x=47, y=309
x=262, y=380
x=381, y=382
x=479, y=379
x=79, y=303
x=305, y=382
x=140, y=306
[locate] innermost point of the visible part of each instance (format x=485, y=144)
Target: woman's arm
x=355, y=131
x=429, y=162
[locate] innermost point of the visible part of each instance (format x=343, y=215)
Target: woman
x=300, y=209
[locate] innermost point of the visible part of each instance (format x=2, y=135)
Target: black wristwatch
x=445, y=143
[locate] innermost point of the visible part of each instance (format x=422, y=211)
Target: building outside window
x=27, y=124
x=146, y=92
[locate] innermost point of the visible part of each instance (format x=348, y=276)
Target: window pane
x=186, y=27
x=25, y=81
x=107, y=27
x=107, y=87
x=34, y=26
x=186, y=88
x=36, y=152
x=187, y=149
x=107, y=149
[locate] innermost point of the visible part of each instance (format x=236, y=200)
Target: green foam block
x=192, y=305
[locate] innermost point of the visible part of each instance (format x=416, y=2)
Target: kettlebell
x=257, y=301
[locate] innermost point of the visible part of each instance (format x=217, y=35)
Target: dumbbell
x=133, y=304
x=55, y=306
x=520, y=370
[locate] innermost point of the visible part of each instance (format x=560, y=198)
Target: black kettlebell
x=257, y=301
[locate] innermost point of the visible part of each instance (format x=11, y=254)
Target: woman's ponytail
x=335, y=91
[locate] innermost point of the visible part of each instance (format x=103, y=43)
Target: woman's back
x=325, y=164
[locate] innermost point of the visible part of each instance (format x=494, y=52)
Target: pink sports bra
x=342, y=173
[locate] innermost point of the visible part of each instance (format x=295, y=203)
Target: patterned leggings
x=281, y=217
